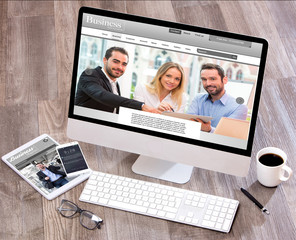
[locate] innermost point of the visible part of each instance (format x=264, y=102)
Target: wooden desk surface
x=36, y=54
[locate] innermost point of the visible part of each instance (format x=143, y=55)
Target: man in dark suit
x=98, y=88
x=51, y=176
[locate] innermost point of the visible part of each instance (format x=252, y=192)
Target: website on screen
x=193, y=85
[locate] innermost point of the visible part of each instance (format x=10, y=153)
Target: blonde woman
x=166, y=91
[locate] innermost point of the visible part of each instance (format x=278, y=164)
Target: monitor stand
x=162, y=169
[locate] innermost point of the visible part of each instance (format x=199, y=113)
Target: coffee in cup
x=271, y=160
x=271, y=167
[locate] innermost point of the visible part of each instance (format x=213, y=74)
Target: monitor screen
x=148, y=80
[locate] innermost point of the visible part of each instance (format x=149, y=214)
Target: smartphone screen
x=72, y=158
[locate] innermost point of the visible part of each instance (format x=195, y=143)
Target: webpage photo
x=187, y=52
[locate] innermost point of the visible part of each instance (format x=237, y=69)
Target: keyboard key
x=190, y=214
x=201, y=205
x=170, y=215
x=92, y=182
x=224, y=210
x=127, y=206
x=206, y=223
x=170, y=209
x=218, y=225
x=232, y=206
x=103, y=200
x=226, y=224
x=86, y=191
x=209, y=212
x=190, y=197
x=231, y=211
x=211, y=207
x=91, y=187
x=226, y=205
x=107, y=196
x=84, y=197
x=94, y=193
x=152, y=211
x=178, y=194
x=101, y=194
x=194, y=220
x=159, y=207
x=161, y=213
x=94, y=199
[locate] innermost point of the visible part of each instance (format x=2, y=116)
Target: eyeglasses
x=87, y=219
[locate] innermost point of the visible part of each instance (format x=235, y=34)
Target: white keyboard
x=160, y=201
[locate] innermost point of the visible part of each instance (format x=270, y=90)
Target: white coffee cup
x=271, y=167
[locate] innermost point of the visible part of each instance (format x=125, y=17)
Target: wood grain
x=37, y=43
x=31, y=64
x=30, y=8
x=3, y=51
x=3, y=43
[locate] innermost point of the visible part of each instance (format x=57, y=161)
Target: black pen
x=172, y=110
x=258, y=204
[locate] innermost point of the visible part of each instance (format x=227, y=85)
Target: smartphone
x=72, y=159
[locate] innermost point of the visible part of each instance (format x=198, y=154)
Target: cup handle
x=289, y=171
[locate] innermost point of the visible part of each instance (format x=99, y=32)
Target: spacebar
x=127, y=206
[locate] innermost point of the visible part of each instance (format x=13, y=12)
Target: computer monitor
x=172, y=143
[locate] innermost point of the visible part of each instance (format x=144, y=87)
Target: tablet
x=72, y=158
x=28, y=159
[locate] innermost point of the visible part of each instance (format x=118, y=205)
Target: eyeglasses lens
x=89, y=220
x=68, y=209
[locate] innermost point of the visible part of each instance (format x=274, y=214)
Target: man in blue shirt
x=216, y=102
